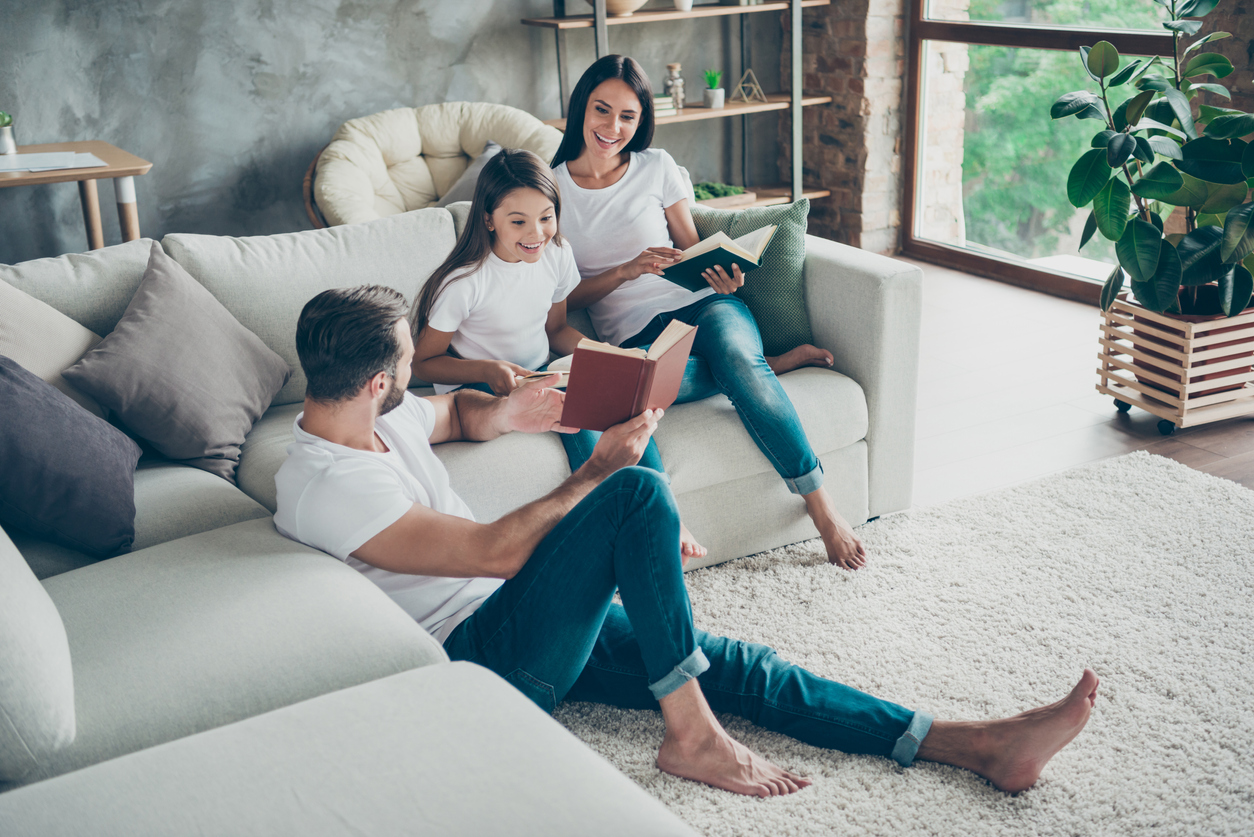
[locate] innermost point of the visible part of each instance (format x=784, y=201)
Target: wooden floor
x=1006, y=394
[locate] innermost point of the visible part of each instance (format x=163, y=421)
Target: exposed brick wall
x=1237, y=17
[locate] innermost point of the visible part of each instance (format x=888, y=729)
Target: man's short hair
x=346, y=336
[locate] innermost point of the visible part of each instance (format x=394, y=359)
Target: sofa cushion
x=775, y=290
x=206, y=630
x=43, y=340
x=65, y=475
x=36, y=679
x=265, y=281
x=181, y=372
x=264, y=451
x=444, y=750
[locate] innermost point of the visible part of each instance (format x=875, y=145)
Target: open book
x=609, y=385
x=719, y=249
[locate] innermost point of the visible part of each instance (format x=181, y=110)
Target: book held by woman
x=719, y=249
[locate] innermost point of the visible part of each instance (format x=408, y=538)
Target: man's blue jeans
x=555, y=632
x=727, y=357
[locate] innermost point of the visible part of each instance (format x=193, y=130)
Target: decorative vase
x=620, y=8
x=683, y=5
x=713, y=98
x=7, y=144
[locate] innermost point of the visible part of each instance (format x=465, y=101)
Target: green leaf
x=1209, y=112
x=1199, y=256
x=1208, y=63
x=1167, y=147
x=1110, y=205
x=1231, y=125
x=1184, y=27
x=1110, y=291
x=1192, y=194
x=1196, y=8
x=1213, y=36
x=1217, y=89
x=1090, y=227
x=1154, y=84
x=1126, y=73
x=1147, y=124
x=1235, y=289
x=1134, y=108
x=1159, y=182
x=1210, y=219
x=1087, y=177
x=1156, y=219
x=1155, y=61
x=1138, y=249
x=1103, y=59
x=1183, y=111
x=1144, y=151
x=1101, y=138
x=1119, y=149
x=1213, y=160
x=1160, y=292
x=1069, y=103
x=1238, y=239
x=1247, y=160
x=1221, y=198
x=1084, y=59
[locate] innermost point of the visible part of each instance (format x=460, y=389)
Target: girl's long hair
x=621, y=67
x=511, y=169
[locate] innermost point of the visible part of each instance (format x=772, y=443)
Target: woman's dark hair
x=507, y=171
x=627, y=70
x=346, y=336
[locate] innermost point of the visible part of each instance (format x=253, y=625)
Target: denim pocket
x=536, y=690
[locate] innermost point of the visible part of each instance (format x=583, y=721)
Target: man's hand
x=500, y=374
x=536, y=408
x=623, y=444
x=722, y=283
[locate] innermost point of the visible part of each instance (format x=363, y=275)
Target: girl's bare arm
x=563, y=338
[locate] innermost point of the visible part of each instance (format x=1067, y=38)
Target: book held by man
x=609, y=385
x=719, y=249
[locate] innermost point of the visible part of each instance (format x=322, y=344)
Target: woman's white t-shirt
x=499, y=311
x=611, y=226
x=336, y=498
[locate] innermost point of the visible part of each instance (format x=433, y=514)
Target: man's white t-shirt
x=336, y=498
x=499, y=311
x=611, y=226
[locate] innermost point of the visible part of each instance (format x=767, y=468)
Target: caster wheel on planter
x=1122, y=406
x=1166, y=428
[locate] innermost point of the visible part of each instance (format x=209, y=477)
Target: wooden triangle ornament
x=748, y=89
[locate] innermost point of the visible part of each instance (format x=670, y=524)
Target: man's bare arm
x=472, y=416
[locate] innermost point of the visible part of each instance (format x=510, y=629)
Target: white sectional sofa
x=230, y=681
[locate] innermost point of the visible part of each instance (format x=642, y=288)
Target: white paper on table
x=50, y=161
x=82, y=160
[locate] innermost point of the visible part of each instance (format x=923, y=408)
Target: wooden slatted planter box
x=1185, y=373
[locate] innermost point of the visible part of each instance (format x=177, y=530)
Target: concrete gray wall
x=231, y=100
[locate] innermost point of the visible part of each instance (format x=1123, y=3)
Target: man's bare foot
x=844, y=549
x=688, y=546
x=804, y=355
x=722, y=761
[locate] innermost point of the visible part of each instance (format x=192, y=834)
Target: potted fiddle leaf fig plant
x=1168, y=181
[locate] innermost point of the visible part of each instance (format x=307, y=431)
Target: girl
x=613, y=181
x=497, y=306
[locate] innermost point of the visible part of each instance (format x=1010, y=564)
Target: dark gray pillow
x=181, y=372
x=65, y=475
x=463, y=189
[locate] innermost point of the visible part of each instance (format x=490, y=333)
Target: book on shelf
x=719, y=249
x=657, y=112
x=609, y=385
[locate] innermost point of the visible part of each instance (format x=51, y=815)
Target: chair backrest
x=406, y=159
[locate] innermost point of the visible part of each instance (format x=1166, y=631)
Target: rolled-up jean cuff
x=907, y=746
x=806, y=483
x=693, y=666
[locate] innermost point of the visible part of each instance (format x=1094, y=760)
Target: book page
x=719, y=239
x=672, y=334
x=755, y=242
x=597, y=346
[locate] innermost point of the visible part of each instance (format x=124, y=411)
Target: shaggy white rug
x=1137, y=567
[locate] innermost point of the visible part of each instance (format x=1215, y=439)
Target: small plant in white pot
x=7, y=143
x=713, y=93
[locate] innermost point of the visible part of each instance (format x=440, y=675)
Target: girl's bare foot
x=844, y=549
x=722, y=761
x=688, y=546
x=803, y=355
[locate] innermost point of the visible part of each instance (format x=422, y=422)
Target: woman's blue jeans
x=727, y=357
x=555, y=632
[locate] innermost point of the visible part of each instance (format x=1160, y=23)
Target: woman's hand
x=654, y=260
x=500, y=375
x=721, y=282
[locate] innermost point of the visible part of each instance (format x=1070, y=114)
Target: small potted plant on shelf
x=713, y=93
x=7, y=144
x=1168, y=179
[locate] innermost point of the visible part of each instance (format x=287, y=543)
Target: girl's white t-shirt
x=611, y=226
x=499, y=311
x=336, y=498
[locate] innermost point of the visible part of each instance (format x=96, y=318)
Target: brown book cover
x=609, y=385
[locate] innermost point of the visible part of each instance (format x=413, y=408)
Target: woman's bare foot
x=1012, y=752
x=804, y=355
x=844, y=549
x=722, y=761
x=688, y=546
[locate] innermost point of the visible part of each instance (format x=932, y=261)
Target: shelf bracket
x=797, y=185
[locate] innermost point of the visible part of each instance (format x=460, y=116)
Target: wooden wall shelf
x=660, y=15
x=778, y=101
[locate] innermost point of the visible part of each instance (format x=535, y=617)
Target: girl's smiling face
x=611, y=118
x=523, y=223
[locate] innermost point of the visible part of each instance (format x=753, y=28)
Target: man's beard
x=392, y=400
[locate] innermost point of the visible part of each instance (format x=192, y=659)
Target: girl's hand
x=500, y=375
x=654, y=260
x=721, y=282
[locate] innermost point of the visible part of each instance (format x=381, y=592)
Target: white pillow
x=42, y=340
x=464, y=188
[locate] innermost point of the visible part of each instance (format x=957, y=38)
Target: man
x=530, y=596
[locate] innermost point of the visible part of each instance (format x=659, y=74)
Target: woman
x=627, y=218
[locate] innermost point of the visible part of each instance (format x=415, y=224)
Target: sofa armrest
x=866, y=310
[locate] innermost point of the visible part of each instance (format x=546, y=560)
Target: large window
x=986, y=185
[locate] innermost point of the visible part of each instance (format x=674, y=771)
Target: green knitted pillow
x=774, y=291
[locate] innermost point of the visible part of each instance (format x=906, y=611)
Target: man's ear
x=378, y=385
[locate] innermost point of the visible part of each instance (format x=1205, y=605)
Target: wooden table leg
x=91, y=214
x=128, y=209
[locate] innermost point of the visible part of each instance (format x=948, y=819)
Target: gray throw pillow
x=65, y=475
x=181, y=372
x=36, y=679
x=463, y=189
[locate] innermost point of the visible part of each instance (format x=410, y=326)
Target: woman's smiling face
x=611, y=118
